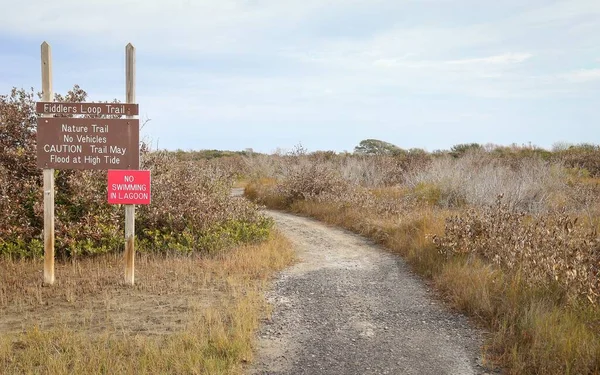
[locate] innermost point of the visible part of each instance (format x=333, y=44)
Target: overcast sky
x=234, y=74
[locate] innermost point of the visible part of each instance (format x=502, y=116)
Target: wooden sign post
x=48, y=175
x=98, y=143
x=130, y=208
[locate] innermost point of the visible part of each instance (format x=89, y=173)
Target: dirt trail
x=349, y=307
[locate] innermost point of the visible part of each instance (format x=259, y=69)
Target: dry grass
x=261, y=191
x=185, y=315
x=531, y=331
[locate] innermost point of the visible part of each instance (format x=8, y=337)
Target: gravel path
x=349, y=307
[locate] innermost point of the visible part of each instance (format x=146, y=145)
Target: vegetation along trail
x=348, y=307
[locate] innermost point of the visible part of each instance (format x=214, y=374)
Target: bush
x=463, y=148
x=309, y=180
x=583, y=156
x=547, y=250
x=20, y=180
x=192, y=204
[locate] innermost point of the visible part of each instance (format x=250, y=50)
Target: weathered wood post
x=130, y=208
x=48, y=175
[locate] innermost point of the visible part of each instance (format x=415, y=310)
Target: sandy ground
x=348, y=307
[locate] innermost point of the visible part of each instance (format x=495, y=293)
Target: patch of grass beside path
x=185, y=315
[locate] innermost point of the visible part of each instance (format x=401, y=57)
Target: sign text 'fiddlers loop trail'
x=112, y=109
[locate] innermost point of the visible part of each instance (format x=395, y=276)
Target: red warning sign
x=128, y=187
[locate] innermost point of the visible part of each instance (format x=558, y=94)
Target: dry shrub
x=310, y=180
x=322, y=185
x=262, y=166
x=582, y=195
x=264, y=193
x=371, y=182
x=585, y=156
x=374, y=171
x=84, y=222
x=361, y=170
x=554, y=248
x=302, y=177
x=385, y=201
x=351, y=180
x=19, y=177
x=478, y=179
x=233, y=165
x=192, y=208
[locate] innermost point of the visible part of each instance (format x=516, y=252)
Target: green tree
x=461, y=149
x=377, y=147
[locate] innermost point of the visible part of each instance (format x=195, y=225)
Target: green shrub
x=427, y=193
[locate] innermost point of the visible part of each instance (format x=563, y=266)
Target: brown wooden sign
x=96, y=109
x=84, y=143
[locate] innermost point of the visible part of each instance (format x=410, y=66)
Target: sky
x=324, y=74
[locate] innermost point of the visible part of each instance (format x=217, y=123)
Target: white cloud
x=183, y=26
x=312, y=61
x=582, y=75
x=559, y=11
x=507, y=58
x=468, y=63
